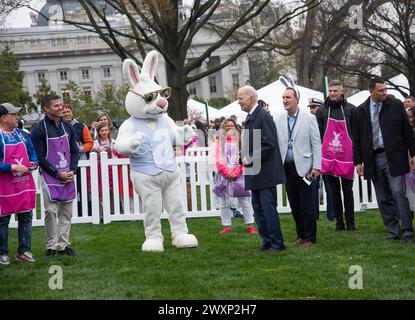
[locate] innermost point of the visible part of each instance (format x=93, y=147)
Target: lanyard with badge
x=291, y=130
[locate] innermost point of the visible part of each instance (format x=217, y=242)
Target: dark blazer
x=397, y=134
x=271, y=169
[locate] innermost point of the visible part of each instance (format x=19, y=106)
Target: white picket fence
x=197, y=167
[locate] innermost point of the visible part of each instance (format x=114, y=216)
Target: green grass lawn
x=110, y=265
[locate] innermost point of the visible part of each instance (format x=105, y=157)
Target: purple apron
x=337, y=149
x=58, y=154
x=17, y=191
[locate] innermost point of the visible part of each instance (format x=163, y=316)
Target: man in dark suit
x=382, y=137
x=263, y=168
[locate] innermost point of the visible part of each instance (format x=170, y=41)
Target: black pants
x=338, y=184
x=301, y=203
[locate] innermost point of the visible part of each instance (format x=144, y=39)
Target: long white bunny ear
x=131, y=73
x=150, y=65
x=284, y=81
x=291, y=81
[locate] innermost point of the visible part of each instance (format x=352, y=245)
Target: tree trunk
x=304, y=70
x=179, y=95
x=411, y=83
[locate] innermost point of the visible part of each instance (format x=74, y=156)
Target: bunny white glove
x=135, y=141
x=188, y=133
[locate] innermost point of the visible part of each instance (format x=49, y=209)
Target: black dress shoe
x=393, y=238
x=340, y=226
x=68, y=251
x=275, y=250
x=351, y=227
x=264, y=247
x=50, y=253
x=408, y=240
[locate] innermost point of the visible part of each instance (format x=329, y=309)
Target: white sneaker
x=4, y=260
x=25, y=257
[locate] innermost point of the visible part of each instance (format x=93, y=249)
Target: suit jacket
x=306, y=141
x=266, y=170
x=397, y=134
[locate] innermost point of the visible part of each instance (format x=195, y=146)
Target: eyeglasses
x=151, y=96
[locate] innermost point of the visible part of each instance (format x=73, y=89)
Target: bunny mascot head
x=147, y=137
x=145, y=99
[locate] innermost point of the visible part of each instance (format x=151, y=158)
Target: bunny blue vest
x=155, y=153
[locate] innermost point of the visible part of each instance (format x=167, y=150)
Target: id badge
x=290, y=143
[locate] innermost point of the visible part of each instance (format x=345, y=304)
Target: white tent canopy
x=272, y=94
x=197, y=110
x=399, y=80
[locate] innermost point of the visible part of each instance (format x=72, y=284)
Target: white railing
x=100, y=200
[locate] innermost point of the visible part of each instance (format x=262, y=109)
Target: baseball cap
x=6, y=108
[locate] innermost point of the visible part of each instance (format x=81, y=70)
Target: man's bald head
x=247, y=98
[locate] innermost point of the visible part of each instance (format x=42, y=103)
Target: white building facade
x=63, y=53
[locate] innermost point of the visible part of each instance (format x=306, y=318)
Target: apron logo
x=62, y=162
x=336, y=142
x=19, y=162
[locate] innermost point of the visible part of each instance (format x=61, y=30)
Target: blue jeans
x=24, y=232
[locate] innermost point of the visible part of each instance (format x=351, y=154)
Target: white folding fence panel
x=87, y=196
x=104, y=186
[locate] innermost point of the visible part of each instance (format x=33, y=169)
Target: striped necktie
x=376, y=127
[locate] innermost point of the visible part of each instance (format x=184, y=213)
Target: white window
x=63, y=75
x=212, y=84
x=107, y=72
x=87, y=91
x=85, y=74
x=192, y=89
x=65, y=94
x=235, y=80
x=41, y=76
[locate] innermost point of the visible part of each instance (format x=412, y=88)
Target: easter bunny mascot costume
x=147, y=137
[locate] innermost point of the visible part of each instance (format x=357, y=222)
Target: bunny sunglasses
x=151, y=96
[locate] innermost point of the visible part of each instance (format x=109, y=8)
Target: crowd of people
x=332, y=141
x=55, y=145
x=375, y=139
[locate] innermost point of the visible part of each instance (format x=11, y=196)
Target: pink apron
x=337, y=149
x=17, y=191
